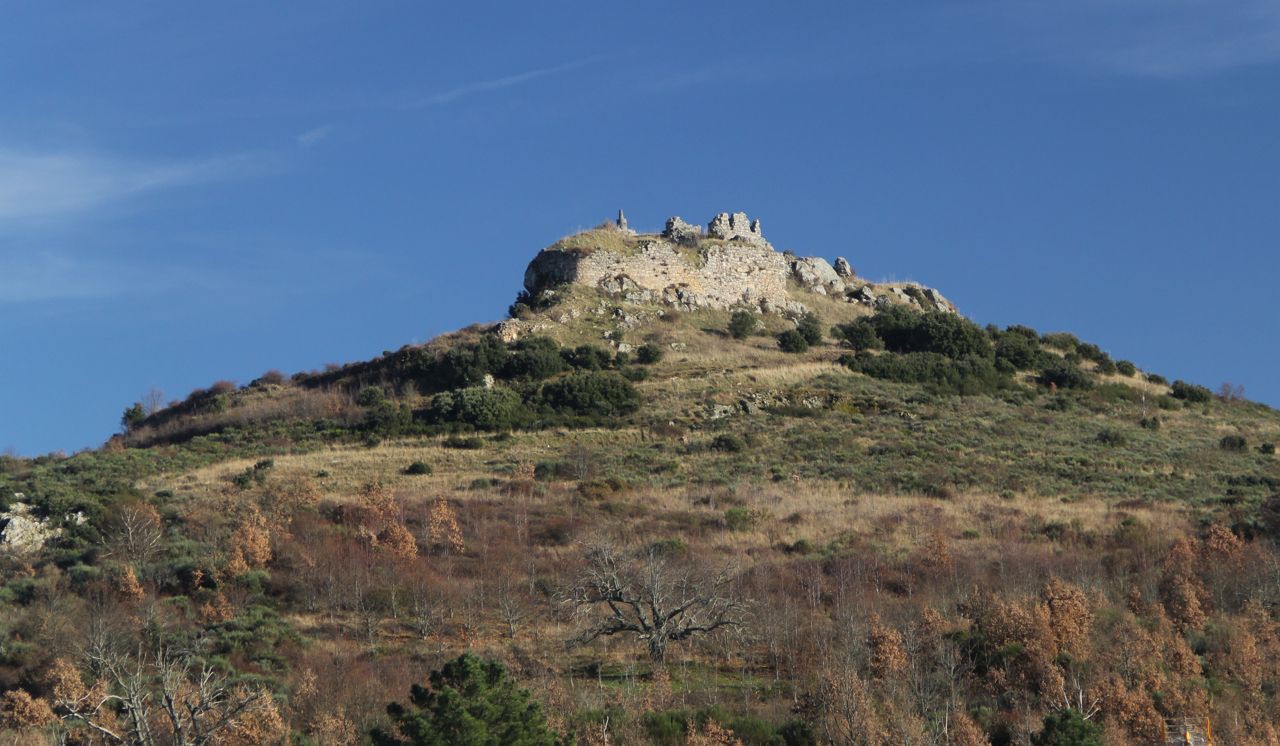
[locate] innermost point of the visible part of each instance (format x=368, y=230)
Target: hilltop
x=896, y=525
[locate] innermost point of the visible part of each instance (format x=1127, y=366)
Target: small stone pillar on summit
x=622, y=221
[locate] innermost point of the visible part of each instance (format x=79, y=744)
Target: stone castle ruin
x=729, y=265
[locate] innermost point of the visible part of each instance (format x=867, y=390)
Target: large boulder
x=814, y=274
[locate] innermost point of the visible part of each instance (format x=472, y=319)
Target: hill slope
x=916, y=529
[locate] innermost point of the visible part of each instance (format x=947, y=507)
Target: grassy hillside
x=914, y=531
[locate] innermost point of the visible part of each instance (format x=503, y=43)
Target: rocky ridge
x=729, y=265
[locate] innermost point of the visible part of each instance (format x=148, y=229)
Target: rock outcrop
x=730, y=265
x=24, y=532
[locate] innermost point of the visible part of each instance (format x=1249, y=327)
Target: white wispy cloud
x=314, y=136
x=449, y=96
x=39, y=184
x=1152, y=38
x=33, y=276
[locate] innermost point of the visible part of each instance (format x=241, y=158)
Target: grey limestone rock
x=815, y=274
x=736, y=226
x=681, y=232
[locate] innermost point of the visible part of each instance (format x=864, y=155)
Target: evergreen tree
x=469, y=702
x=1068, y=728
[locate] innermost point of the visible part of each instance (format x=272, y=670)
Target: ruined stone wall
x=733, y=266
x=722, y=276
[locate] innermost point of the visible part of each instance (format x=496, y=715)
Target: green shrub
x=742, y=324
x=1064, y=375
x=1126, y=368
x=586, y=357
x=858, y=336
x=1106, y=367
x=480, y=407
x=370, y=396
x=1190, y=392
x=1060, y=403
x=946, y=334
x=133, y=417
x=739, y=518
x=648, y=354
x=464, y=365
x=1092, y=352
x=471, y=443
x=1150, y=423
x=537, y=358
x=418, y=468
x=1112, y=438
x=1018, y=350
x=810, y=327
x=792, y=341
x=1268, y=449
x=256, y=474
x=1233, y=443
x=386, y=418
x=729, y=443
x=967, y=376
x=592, y=393
x=1157, y=379
x=1068, y=728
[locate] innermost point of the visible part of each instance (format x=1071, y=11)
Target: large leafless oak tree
x=653, y=596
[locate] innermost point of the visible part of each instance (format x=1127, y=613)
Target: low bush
x=742, y=324
x=728, y=443
x=1112, y=438
x=1018, y=350
x=418, y=468
x=792, y=341
x=1233, y=443
x=1126, y=368
x=588, y=357
x=1268, y=449
x=740, y=518
x=1191, y=392
x=371, y=396
x=648, y=354
x=592, y=394
x=477, y=406
x=968, y=375
x=858, y=336
x=1157, y=379
x=1064, y=375
x=946, y=334
x=810, y=327
x=537, y=358
x=466, y=444
x=1092, y=352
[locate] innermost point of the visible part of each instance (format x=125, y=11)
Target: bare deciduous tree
x=134, y=532
x=146, y=698
x=650, y=595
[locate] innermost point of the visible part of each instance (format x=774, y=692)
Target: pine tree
x=469, y=702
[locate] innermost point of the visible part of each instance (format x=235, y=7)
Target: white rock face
x=23, y=532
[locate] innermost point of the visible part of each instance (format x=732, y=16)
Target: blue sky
x=192, y=192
